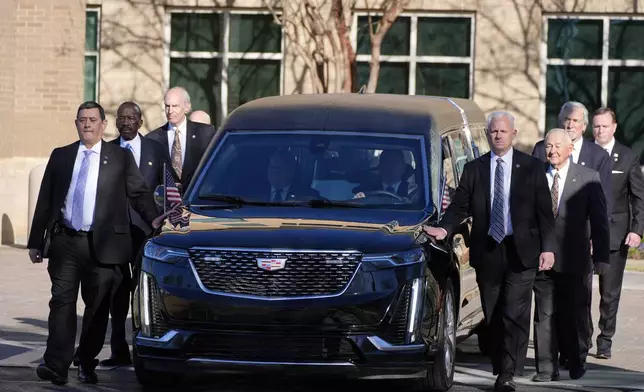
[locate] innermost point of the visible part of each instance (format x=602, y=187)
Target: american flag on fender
x=173, y=199
x=446, y=199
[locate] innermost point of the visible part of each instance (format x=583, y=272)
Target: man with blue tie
x=82, y=225
x=506, y=194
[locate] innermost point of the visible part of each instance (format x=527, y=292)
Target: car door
x=456, y=152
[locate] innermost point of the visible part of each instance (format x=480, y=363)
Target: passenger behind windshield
x=282, y=180
x=392, y=169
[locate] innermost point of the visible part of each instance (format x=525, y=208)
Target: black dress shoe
x=577, y=372
x=545, y=377
x=48, y=374
x=603, y=354
x=505, y=384
x=117, y=361
x=87, y=374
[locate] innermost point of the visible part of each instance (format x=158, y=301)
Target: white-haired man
x=200, y=116
x=506, y=193
x=562, y=294
x=185, y=140
x=573, y=118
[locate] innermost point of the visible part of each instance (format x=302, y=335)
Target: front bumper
x=361, y=357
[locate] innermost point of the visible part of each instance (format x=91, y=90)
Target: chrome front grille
x=303, y=274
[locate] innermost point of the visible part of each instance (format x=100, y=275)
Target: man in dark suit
x=391, y=170
x=81, y=223
x=506, y=194
x=149, y=157
x=562, y=295
x=184, y=140
x=626, y=222
x=283, y=184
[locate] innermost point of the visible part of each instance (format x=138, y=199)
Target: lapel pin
x=615, y=159
x=105, y=162
x=615, y=155
x=583, y=163
x=193, y=136
x=574, y=180
x=150, y=163
x=517, y=166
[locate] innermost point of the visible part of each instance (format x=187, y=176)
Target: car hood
x=367, y=231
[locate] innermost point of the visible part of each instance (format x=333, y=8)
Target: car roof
x=389, y=113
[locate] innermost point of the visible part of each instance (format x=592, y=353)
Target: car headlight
x=164, y=254
x=396, y=259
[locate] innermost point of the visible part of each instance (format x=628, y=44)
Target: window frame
x=224, y=55
x=605, y=62
x=412, y=59
x=94, y=53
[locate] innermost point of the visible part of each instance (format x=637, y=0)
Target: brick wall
x=41, y=85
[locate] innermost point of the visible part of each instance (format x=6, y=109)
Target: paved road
x=24, y=292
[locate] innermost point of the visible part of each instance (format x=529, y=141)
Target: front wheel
x=149, y=378
x=440, y=375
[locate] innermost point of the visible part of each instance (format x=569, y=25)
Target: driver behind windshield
x=391, y=169
x=282, y=179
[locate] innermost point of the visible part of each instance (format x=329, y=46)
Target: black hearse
x=304, y=250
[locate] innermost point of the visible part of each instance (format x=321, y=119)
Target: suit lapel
x=616, y=157
x=515, y=178
x=106, y=161
x=484, y=172
x=191, y=146
x=68, y=168
x=570, y=188
x=146, y=158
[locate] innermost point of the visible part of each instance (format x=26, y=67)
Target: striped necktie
x=78, y=200
x=497, y=226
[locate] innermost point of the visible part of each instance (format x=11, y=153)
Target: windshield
x=333, y=168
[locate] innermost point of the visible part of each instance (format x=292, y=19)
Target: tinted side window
x=462, y=151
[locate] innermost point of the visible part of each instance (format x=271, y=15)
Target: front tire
x=149, y=378
x=440, y=375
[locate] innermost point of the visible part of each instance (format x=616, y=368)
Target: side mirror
x=159, y=195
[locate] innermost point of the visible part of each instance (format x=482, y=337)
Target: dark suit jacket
x=198, y=137
x=582, y=201
x=530, y=208
x=120, y=184
x=627, y=214
x=151, y=167
x=591, y=156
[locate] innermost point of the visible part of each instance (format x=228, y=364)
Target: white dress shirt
x=183, y=129
x=577, y=149
x=89, y=201
x=284, y=192
x=507, y=176
x=609, y=147
x=136, y=148
x=563, y=172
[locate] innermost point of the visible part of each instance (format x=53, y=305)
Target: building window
x=225, y=59
x=92, y=50
x=421, y=55
x=598, y=62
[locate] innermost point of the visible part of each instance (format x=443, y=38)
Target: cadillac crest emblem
x=271, y=264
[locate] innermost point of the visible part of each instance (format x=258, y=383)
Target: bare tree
x=319, y=33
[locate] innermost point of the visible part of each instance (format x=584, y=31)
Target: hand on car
x=546, y=261
x=156, y=223
x=437, y=233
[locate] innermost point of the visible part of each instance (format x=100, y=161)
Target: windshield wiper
x=317, y=203
x=236, y=200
